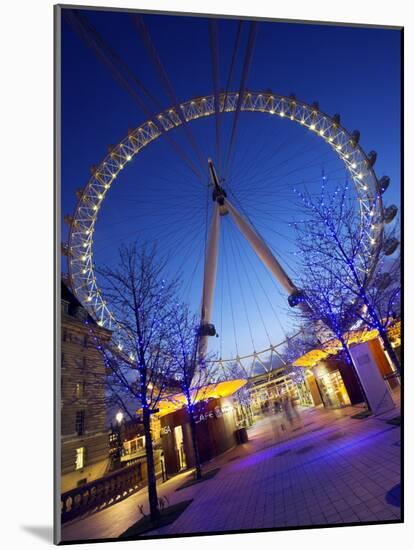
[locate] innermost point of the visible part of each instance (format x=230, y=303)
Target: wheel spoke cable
x=156, y=60
x=242, y=88
x=214, y=47
x=90, y=36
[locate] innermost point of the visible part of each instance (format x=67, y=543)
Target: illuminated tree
x=139, y=370
x=341, y=288
x=190, y=371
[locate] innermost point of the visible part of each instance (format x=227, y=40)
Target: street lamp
x=117, y=430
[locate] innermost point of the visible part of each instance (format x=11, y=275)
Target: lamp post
x=119, y=417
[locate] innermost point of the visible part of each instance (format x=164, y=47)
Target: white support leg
x=210, y=271
x=223, y=206
x=261, y=249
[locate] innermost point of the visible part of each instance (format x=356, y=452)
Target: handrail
x=102, y=492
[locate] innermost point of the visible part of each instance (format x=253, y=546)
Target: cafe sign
x=217, y=412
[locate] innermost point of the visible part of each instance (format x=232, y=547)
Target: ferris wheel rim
x=82, y=224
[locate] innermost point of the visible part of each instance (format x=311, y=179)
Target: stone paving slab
x=272, y=482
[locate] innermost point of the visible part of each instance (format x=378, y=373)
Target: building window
x=80, y=389
x=80, y=458
x=134, y=445
x=80, y=422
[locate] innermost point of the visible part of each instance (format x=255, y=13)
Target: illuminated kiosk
x=331, y=381
x=216, y=415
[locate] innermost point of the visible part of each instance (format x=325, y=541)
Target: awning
x=311, y=358
x=221, y=389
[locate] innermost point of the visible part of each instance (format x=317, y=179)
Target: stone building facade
x=84, y=435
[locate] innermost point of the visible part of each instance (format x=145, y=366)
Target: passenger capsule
x=337, y=119
x=390, y=213
x=384, y=183
x=390, y=246
x=292, y=106
x=64, y=248
x=372, y=157
x=355, y=136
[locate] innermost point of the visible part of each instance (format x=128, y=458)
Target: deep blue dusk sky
x=351, y=71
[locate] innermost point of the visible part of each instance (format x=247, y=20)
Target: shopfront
x=332, y=380
x=384, y=363
x=394, y=336
x=304, y=393
x=313, y=389
x=216, y=418
x=331, y=386
x=266, y=389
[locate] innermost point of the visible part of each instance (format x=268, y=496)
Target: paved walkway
x=326, y=468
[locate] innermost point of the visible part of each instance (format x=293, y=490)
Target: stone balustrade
x=101, y=493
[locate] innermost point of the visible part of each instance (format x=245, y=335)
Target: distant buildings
x=266, y=388
x=84, y=436
x=326, y=379
x=127, y=443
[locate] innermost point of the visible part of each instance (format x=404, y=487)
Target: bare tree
x=190, y=370
x=139, y=369
x=338, y=279
x=330, y=308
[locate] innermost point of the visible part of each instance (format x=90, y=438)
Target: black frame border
x=57, y=8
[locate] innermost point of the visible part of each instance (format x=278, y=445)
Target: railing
x=101, y=493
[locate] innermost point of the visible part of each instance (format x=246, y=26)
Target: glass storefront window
x=333, y=390
x=305, y=397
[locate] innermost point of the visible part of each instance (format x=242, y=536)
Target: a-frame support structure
x=223, y=206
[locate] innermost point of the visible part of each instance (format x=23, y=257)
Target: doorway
x=333, y=390
x=179, y=447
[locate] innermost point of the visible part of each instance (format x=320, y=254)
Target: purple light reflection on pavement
x=352, y=446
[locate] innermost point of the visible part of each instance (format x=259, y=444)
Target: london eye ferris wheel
x=209, y=181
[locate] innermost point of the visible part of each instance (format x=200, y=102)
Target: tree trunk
x=382, y=332
x=195, y=445
x=389, y=349
x=152, y=482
